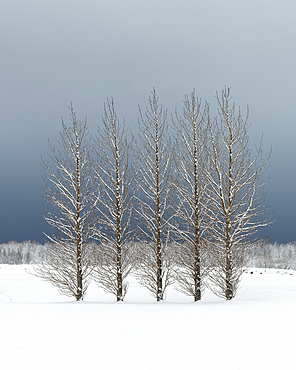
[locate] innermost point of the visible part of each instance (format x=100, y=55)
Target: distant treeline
x=14, y=253
x=267, y=255
x=278, y=256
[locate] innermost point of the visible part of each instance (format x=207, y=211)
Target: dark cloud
x=52, y=52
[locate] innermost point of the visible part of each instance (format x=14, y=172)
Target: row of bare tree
x=177, y=206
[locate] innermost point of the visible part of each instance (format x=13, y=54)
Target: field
x=41, y=329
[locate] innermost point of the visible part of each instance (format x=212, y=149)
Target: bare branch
x=114, y=204
x=67, y=264
x=236, y=191
x=154, y=267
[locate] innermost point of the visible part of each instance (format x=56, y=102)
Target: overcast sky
x=56, y=51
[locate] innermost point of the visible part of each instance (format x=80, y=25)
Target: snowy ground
x=40, y=329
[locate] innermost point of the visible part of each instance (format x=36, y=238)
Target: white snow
x=40, y=329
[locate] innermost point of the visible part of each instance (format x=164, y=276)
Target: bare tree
x=236, y=190
x=67, y=263
x=153, y=180
x=191, y=183
x=114, y=204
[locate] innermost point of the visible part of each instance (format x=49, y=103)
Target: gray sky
x=57, y=51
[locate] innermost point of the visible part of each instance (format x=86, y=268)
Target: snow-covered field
x=40, y=329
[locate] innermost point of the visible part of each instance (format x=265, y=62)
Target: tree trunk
x=228, y=275
x=197, y=277
x=79, y=294
x=158, y=236
x=119, y=275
